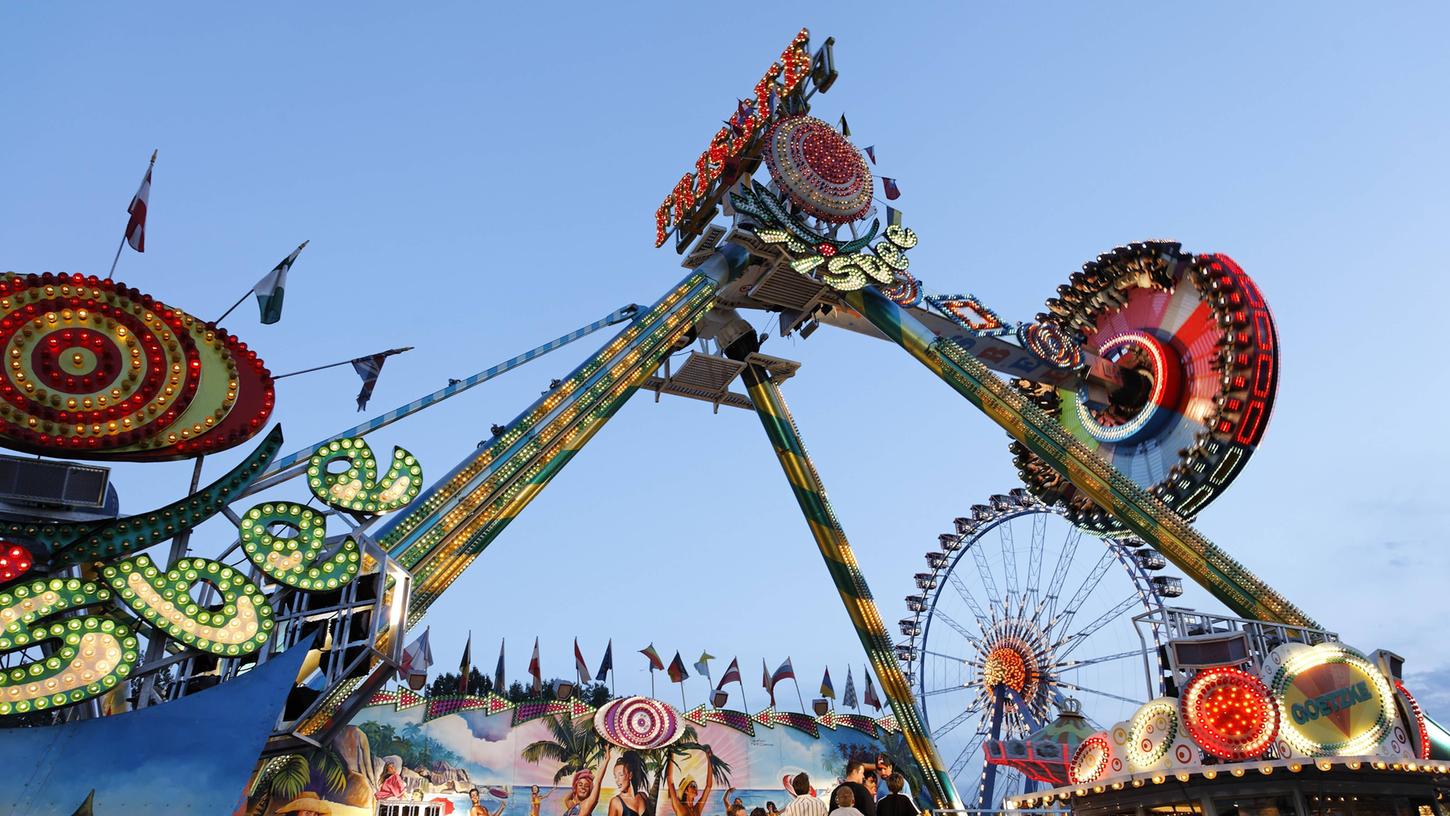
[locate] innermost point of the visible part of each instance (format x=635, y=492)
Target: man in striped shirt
x=804, y=804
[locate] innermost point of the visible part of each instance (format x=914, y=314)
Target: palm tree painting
x=655, y=761
x=574, y=745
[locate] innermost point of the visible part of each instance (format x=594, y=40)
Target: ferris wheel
x=1021, y=613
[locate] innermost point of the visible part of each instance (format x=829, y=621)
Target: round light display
x=1089, y=760
x=15, y=561
x=819, y=169
x=1229, y=713
x=638, y=723
x=93, y=369
x=1051, y=344
x=1332, y=701
x=1415, y=716
x=1151, y=732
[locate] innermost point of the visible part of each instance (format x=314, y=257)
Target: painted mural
x=497, y=760
x=195, y=754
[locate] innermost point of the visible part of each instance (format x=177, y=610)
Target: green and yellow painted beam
x=450, y=523
x=850, y=583
x=1147, y=517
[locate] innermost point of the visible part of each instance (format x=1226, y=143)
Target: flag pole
x=798, y=696
x=231, y=308
x=651, y=680
x=388, y=353
x=116, y=259
x=743, y=704
x=122, y=245
x=683, y=705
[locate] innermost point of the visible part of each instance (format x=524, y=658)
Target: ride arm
x=440, y=533
x=1229, y=581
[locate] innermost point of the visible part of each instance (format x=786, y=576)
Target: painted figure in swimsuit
x=631, y=782
x=585, y=789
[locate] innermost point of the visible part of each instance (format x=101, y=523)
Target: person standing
x=896, y=803
x=804, y=804
x=845, y=799
x=855, y=780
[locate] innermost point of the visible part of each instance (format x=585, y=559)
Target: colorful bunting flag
x=892, y=191
x=654, y=658
x=845, y=128
x=871, y=153
x=270, y=289
x=369, y=368
x=893, y=216
x=828, y=690
x=849, y=698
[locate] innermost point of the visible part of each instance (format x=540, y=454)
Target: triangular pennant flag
x=845, y=128
x=498, y=679
x=417, y=657
x=655, y=664
x=849, y=698
x=270, y=289
x=827, y=690
x=871, y=153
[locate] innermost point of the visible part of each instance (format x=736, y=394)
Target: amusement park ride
x=1133, y=399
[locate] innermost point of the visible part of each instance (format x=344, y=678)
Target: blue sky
x=476, y=179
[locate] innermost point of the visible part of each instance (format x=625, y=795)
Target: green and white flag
x=269, y=290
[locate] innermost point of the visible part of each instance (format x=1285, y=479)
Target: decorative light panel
x=239, y=625
x=358, y=488
x=289, y=559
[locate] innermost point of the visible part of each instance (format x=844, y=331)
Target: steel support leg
x=841, y=563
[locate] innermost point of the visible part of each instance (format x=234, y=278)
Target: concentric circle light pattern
x=1229, y=713
x=819, y=169
x=94, y=369
x=639, y=723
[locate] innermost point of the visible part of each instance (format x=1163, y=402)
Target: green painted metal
x=810, y=493
x=1229, y=581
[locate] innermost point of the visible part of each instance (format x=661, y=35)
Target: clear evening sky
x=476, y=179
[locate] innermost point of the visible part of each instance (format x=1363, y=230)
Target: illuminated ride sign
x=1332, y=700
x=735, y=148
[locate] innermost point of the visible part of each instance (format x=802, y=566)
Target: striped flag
x=534, y=669
x=465, y=665
x=871, y=153
x=607, y=664
x=870, y=697
x=677, y=670
x=785, y=672
x=136, y=226
x=828, y=690
x=732, y=674
x=654, y=658
x=893, y=216
x=579, y=664
x=273, y=285
x=849, y=698
x=892, y=191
